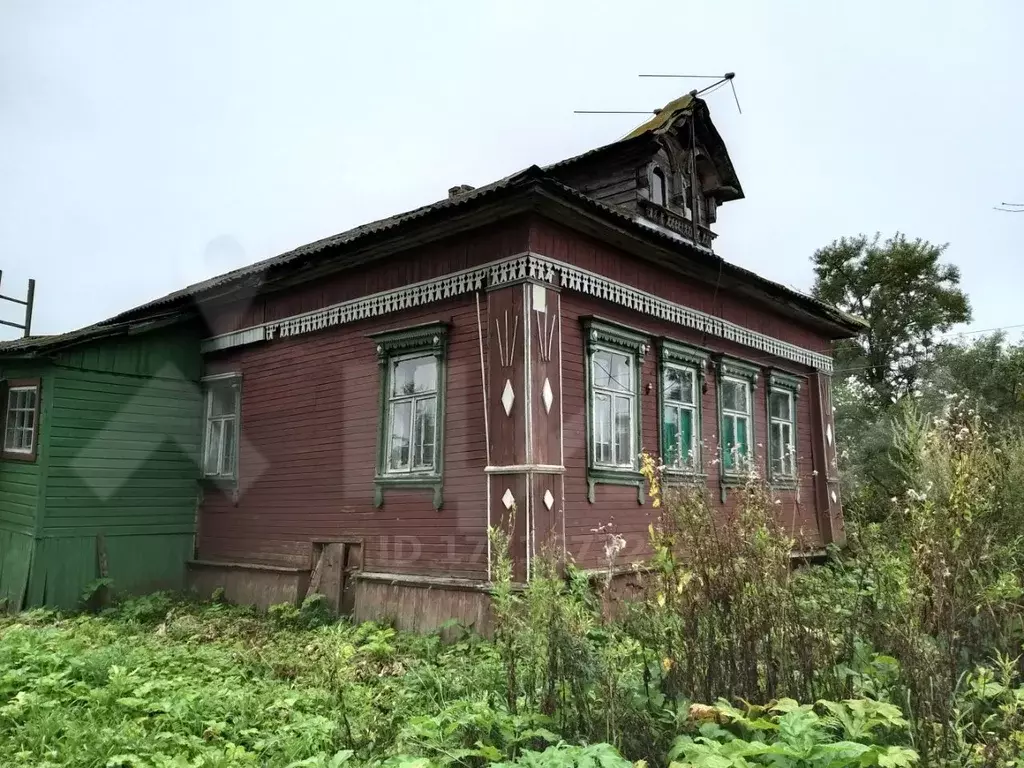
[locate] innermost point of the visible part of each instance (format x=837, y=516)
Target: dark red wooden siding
x=309, y=423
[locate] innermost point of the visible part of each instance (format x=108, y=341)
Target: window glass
x=658, y=187
x=412, y=430
x=782, y=451
x=679, y=416
x=735, y=424
x=418, y=374
x=780, y=405
x=613, y=408
x=734, y=395
x=220, y=451
x=20, y=420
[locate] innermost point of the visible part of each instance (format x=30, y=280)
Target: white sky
x=144, y=146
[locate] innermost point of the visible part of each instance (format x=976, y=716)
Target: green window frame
x=613, y=366
x=410, y=435
x=222, y=406
x=783, y=391
x=737, y=386
x=680, y=392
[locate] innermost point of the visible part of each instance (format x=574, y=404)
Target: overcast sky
x=146, y=145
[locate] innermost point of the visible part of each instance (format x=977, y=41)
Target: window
x=682, y=374
x=782, y=394
x=220, y=448
x=21, y=422
x=614, y=360
x=659, y=189
x=736, y=384
x=412, y=414
x=735, y=424
x=614, y=398
x=410, y=442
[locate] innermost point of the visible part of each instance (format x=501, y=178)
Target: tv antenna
x=1010, y=207
x=27, y=302
x=720, y=81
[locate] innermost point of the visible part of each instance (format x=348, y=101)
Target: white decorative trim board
x=525, y=266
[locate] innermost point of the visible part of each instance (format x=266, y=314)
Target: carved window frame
x=782, y=383
x=429, y=339
x=681, y=356
x=735, y=370
x=603, y=336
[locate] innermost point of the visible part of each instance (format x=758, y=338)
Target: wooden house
x=98, y=469
x=375, y=401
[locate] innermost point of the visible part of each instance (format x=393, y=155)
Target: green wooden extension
x=113, y=485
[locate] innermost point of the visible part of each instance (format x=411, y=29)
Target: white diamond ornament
x=508, y=397
x=828, y=434
x=508, y=499
x=549, y=500
x=547, y=396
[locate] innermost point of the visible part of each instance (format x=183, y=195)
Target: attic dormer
x=672, y=172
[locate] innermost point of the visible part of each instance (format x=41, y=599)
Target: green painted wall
x=21, y=490
x=116, y=477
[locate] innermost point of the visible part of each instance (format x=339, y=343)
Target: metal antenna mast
x=720, y=80
x=27, y=302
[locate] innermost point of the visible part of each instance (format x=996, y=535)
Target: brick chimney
x=459, y=190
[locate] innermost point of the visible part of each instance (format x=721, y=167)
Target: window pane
x=658, y=187
x=227, y=465
x=212, y=458
x=686, y=452
x=779, y=404
x=734, y=396
x=622, y=373
x=602, y=429
x=729, y=442
x=741, y=436
x=670, y=435
x=424, y=431
x=672, y=386
x=412, y=376
x=222, y=400
x=777, y=448
x=602, y=366
x=689, y=388
x=400, y=438
x=623, y=430
x=10, y=438
x=789, y=450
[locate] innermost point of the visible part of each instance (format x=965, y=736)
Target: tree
x=986, y=374
x=906, y=295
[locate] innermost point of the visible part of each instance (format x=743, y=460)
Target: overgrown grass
x=905, y=648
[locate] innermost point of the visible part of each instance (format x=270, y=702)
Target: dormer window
x=659, y=189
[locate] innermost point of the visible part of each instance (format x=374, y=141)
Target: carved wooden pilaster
x=825, y=461
x=525, y=413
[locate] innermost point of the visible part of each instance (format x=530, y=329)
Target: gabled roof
x=169, y=308
x=519, y=183
x=673, y=115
